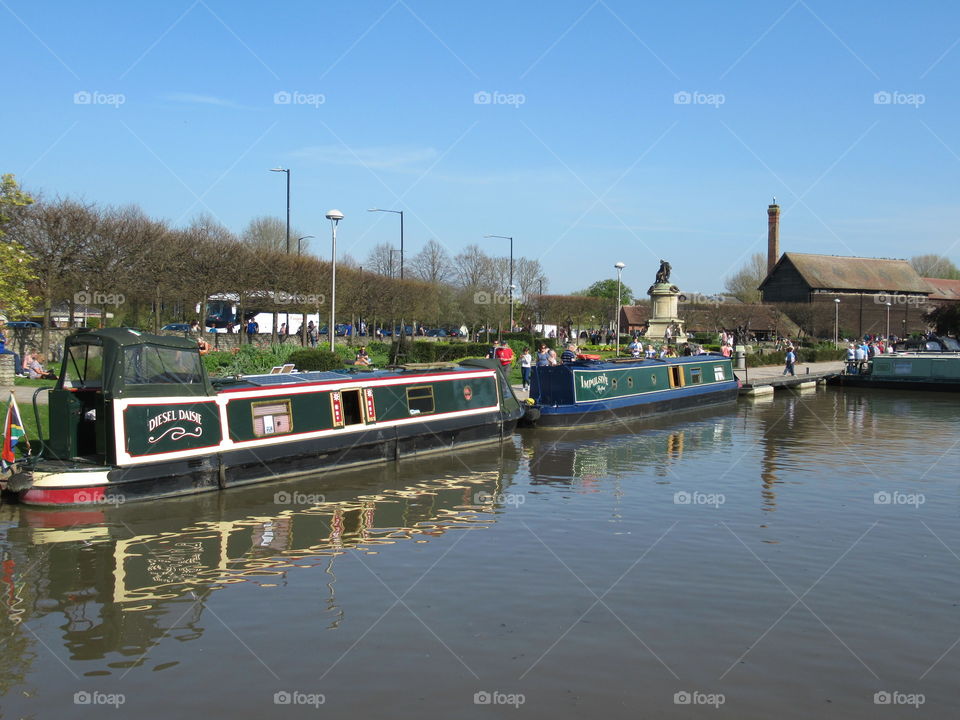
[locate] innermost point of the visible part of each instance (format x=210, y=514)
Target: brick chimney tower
x=773, y=235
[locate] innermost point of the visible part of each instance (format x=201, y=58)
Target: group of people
x=545, y=357
x=31, y=365
x=859, y=352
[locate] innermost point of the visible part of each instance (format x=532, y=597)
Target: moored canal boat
x=134, y=416
x=590, y=391
x=906, y=371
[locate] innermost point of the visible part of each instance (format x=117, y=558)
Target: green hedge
x=804, y=355
x=426, y=352
x=310, y=360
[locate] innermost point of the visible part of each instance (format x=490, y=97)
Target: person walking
x=526, y=361
x=791, y=361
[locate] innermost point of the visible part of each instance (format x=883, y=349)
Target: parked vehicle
x=177, y=327
x=19, y=324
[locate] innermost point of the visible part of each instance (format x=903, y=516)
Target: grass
x=30, y=421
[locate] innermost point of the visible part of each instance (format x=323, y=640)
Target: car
x=18, y=324
x=177, y=327
x=437, y=332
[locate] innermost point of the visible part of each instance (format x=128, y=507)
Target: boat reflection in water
x=127, y=577
x=584, y=457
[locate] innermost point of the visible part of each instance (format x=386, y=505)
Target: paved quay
x=772, y=375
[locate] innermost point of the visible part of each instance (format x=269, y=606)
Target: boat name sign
x=597, y=383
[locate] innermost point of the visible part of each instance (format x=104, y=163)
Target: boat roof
x=613, y=364
x=304, y=378
x=124, y=336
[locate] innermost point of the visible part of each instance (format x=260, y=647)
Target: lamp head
x=620, y=266
x=279, y=169
x=334, y=215
x=837, y=300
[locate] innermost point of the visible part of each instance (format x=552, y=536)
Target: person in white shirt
x=526, y=360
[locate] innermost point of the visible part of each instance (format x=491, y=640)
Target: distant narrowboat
x=907, y=371
x=134, y=416
x=594, y=391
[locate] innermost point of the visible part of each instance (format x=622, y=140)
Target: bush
x=247, y=359
x=804, y=355
x=311, y=360
x=427, y=352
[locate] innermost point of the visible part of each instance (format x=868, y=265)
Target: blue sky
x=583, y=151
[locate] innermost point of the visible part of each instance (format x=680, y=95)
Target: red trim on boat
x=64, y=496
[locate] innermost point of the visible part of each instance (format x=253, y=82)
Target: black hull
x=277, y=462
x=635, y=412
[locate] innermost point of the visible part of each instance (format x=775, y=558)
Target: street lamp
x=400, y=213
x=507, y=237
x=334, y=216
x=619, y=266
x=287, y=171
x=836, y=322
x=540, y=306
x=888, y=322
x=299, y=240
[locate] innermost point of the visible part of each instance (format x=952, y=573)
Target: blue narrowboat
x=588, y=391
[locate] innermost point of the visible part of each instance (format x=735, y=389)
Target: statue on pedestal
x=663, y=274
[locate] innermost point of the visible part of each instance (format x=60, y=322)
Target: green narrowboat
x=907, y=371
x=134, y=416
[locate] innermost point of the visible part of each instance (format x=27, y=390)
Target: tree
x=432, y=264
x=606, y=291
x=384, y=259
x=744, y=284
x=935, y=266
x=945, y=319
x=268, y=233
x=15, y=264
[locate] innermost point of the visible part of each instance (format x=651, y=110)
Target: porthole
x=630, y=381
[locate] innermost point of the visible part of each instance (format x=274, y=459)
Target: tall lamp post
x=301, y=239
x=836, y=322
x=400, y=213
x=888, y=322
x=619, y=266
x=507, y=237
x=334, y=216
x=287, y=171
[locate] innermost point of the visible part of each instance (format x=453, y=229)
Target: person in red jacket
x=504, y=354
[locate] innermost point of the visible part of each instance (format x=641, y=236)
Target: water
x=784, y=558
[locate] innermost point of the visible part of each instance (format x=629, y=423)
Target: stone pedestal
x=663, y=313
x=6, y=372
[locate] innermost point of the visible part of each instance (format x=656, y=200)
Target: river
x=790, y=557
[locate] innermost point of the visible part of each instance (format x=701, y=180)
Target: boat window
x=272, y=418
x=719, y=373
x=696, y=376
x=352, y=409
x=932, y=346
x=84, y=367
x=630, y=381
x=420, y=399
x=154, y=364
x=614, y=383
x=950, y=344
